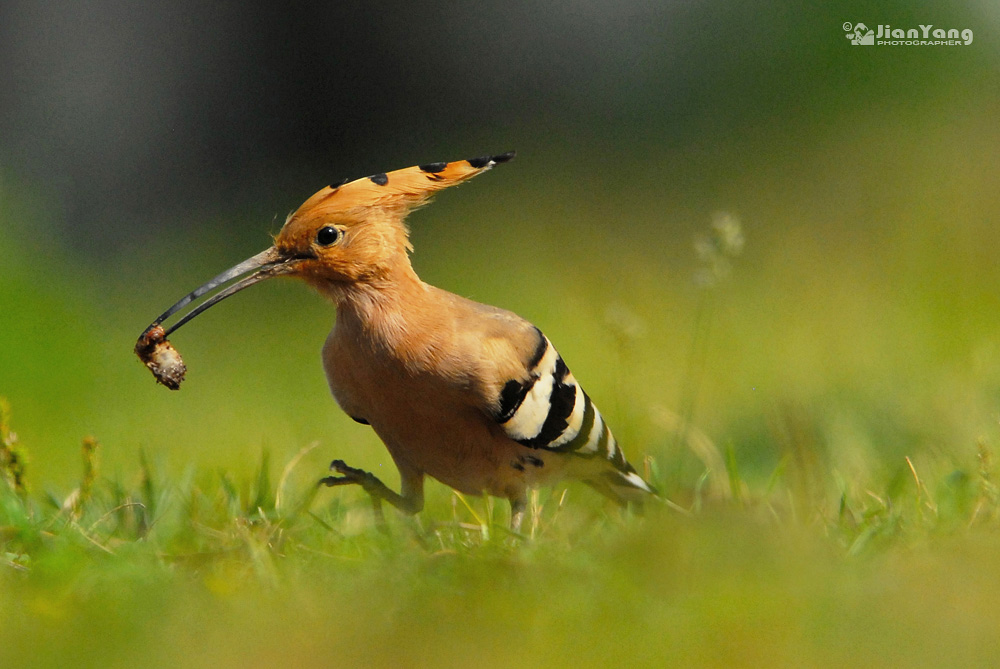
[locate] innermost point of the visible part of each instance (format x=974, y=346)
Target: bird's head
x=344, y=234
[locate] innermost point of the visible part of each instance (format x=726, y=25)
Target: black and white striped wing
x=551, y=411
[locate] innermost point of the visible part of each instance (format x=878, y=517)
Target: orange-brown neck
x=388, y=283
x=387, y=311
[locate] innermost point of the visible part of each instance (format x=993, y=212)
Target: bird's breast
x=427, y=421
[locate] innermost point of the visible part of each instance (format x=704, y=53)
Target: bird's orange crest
x=356, y=229
x=398, y=191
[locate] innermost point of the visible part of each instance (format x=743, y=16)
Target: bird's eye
x=327, y=236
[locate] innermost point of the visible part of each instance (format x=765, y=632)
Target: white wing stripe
x=637, y=481
x=529, y=418
x=595, y=434
x=575, y=418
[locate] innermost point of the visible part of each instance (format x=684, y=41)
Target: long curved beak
x=264, y=265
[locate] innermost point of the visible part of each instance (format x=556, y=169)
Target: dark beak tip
x=262, y=266
x=152, y=346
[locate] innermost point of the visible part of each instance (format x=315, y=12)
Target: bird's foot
x=348, y=475
x=354, y=476
x=410, y=503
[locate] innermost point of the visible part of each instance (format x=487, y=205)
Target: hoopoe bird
x=471, y=395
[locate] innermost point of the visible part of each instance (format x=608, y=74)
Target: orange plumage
x=472, y=395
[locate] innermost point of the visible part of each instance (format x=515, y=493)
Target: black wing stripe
x=617, y=457
x=514, y=392
x=511, y=397
x=540, y=348
x=561, y=402
x=583, y=434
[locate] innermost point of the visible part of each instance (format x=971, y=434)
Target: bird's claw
x=347, y=476
x=342, y=467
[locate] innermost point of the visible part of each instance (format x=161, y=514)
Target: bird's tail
x=622, y=484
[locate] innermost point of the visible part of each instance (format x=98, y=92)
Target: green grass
x=204, y=570
x=825, y=419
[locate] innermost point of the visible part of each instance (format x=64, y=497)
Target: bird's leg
x=411, y=500
x=517, y=506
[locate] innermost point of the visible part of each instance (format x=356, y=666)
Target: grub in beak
x=161, y=357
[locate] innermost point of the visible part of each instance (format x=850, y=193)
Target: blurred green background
x=145, y=149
